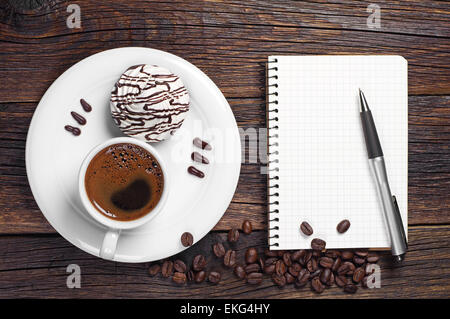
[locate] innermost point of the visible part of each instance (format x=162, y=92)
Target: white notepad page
x=318, y=151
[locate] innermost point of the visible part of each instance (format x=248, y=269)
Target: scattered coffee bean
x=296, y=255
x=270, y=261
x=200, y=276
x=362, y=253
x=332, y=254
x=316, y=285
x=201, y=144
x=351, y=266
x=350, y=288
x=86, y=106
x=289, y=278
x=179, y=278
x=199, y=263
x=358, y=260
x=233, y=235
x=306, y=229
x=196, y=172
x=79, y=118
x=341, y=281
x=318, y=244
x=312, y=265
x=325, y=275
x=197, y=157
x=74, y=130
x=280, y=268
x=287, y=259
x=252, y=268
x=229, y=259
x=167, y=269
x=336, y=264
x=330, y=282
x=219, y=250
x=255, y=278
x=347, y=255
x=372, y=258
x=343, y=226
x=251, y=256
x=214, y=277
x=315, y=273
x=239, y=272
x=343, y=269
x=294, y=270
x=302, y=278
x=179, y=266
x=358, y=274
x=279, y=280
x=270, y=269
x=190, y=276
x=271, y=253
x=247, y=227
x=154, y=270
x=187, y=239
x=326, y=262
x=307, y=257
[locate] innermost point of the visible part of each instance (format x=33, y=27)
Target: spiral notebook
x=318, y=169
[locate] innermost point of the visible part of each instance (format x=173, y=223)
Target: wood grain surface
x=230, y=41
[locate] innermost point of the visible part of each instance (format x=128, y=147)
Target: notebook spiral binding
x=273, y=160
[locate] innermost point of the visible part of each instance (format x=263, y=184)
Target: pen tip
x=363, y=107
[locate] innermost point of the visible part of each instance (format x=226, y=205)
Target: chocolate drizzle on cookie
x=149, y=102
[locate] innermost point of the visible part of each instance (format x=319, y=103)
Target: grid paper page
x=324, y=175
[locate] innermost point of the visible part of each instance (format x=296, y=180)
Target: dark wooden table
x=230, y=41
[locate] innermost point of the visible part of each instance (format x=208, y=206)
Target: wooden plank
x=35, y=266
x=429, y=177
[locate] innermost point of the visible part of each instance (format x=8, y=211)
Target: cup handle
x=109, y=245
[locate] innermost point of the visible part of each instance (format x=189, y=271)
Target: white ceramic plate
x=54, y=156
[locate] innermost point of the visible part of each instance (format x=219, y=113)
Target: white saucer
x=54, y=156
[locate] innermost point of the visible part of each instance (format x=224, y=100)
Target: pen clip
x=394, y=199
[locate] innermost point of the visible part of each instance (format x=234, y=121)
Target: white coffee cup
x=111, y=238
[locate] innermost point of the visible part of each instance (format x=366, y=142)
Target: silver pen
x=391, y=211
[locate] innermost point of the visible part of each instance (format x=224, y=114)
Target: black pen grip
x=370, y=135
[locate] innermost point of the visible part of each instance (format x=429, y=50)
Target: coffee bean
x=343, y=226
x=325, y=275
x=350, y=288
x=306, y=228
x=343, y=269
x=179, y=278
x=270, y=261
x=251, y=268
x=154, y=270
x=239, y=272
x=219, y=250
x=247, y=227
x=358, y=274
x=287, y=259
x=214, y=277
x=362, y=253
x=302, y=278
x=326, y=262
x=190, y=276
x=358, y=260
x=289, y=278
x=296, y=255
x=332, y=254
x=167, y=269
x=341, y=281
x=347, y=255
x=270, y=269
x=200, y=276
x=187, y=239
x=318, y=244
x=330, y=282
x=294, y=270
x=229, y=259
x=316, y=285
x=233, y=235
x=280, y=268
x=315, y=273
x=255, y=278
x=179, y=266
x=336, y=264
x=312, y=265
x=351, y=267
x=251, y=256
x=271, y=253
x=372, y=258
x=199, y=262
x=307, y=257
x=279, y=280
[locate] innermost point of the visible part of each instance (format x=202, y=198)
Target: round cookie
x=149, y=102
